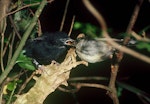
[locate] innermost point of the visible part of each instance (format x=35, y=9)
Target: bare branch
x=64, y=16
x=79, y=85
x=71, y=27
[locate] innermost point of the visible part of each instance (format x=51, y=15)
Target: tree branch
x=53, y=76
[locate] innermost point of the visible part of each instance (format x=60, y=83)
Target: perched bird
x=48, y=47
x=94, y=50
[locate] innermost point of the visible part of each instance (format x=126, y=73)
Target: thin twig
x=113, y=76
x=14, y=26
x=79, y=79
x=68, y=90
x=34, y=4
x=88, y=78
x=11, y=48
x=39, y=24
x=134, y=16
x=71, y=27
x=1, y=56
x=14, y=77
x=6, y=45
x=25, y=83
x=79, y=85
x=64, y=16
x=138, y=37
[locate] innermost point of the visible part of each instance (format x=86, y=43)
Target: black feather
x=48, y=47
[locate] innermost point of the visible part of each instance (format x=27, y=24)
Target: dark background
x=117, y=15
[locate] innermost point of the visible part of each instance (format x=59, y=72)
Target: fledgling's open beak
x=70, y=42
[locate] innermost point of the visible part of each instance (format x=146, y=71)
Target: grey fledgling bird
x=92, y=50
x=95, y=50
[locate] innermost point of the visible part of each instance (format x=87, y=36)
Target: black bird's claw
x=36, y=63
x=40, y=70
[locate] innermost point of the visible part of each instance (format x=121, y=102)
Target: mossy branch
x=23, y=40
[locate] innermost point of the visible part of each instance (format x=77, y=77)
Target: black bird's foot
x=36, y=63
x=39, y=70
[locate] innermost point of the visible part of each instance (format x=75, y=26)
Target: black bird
x=95, y=50
x=48, y=47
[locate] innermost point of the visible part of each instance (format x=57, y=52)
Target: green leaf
x=11, y=86
x=27, y=2
x=31, y=1
x=22, y=19
x=19, y=81
x=77, y=25
x=87, y=28
x=5, y=40
x=145, y=29
x=119, y=91
x=27, y=66
x=143, y=45
x=25, y=62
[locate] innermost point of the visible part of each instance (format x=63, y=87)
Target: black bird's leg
x=40, y=68
x=36, y=64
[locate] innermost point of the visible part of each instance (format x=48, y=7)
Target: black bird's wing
x=44, y=53
x=30, y=44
